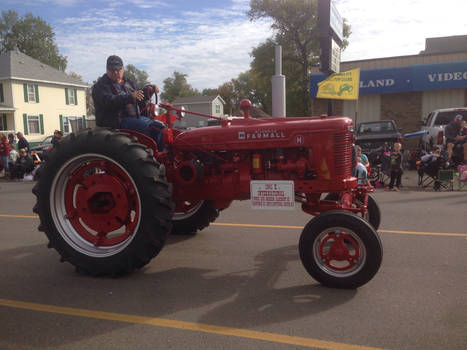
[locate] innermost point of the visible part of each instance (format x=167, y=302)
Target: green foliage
x=210, y=92
x=140, y=77
x=75, y=76
x=177, y=87
x=296, y=30
x=228, y=94
x=32, y=36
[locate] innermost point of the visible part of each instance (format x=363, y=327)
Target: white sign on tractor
x=278, y=195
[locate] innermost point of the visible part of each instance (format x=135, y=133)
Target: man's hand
x=137, y=95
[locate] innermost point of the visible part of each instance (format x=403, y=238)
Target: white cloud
x=211, y=46
x=396, y=28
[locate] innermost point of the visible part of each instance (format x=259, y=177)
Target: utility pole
x=278, y=86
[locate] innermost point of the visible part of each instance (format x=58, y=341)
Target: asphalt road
x=239, y=284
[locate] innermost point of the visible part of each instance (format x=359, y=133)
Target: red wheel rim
x=339, y=252
x=95, y=205
x=341, y=248
x=101, y=202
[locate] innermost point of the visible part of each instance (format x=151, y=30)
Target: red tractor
x=107, y=199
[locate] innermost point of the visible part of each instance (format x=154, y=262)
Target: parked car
x=43, y=147
x=434, y=125
x=373, y=135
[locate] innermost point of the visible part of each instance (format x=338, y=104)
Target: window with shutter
x=34, y=125
x=36, y=91
x=31, y=93
x=3, y=125
x=71, y=97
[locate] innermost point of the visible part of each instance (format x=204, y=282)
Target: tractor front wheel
x=340, y=250
x=373, y=215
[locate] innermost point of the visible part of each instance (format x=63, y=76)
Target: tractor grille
x=343, y=154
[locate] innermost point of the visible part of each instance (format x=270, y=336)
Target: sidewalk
x=410, y=182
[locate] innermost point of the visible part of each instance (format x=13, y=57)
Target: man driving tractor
x=119, y=103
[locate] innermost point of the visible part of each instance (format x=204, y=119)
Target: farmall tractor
x=107, y=199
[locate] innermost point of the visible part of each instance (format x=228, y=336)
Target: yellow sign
x=340, y=86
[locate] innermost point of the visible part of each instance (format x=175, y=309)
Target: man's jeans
x=4, y=161
x=146, y=126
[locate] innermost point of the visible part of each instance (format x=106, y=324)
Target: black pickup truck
x=373, y=135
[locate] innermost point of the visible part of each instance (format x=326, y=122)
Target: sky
x=211, y=40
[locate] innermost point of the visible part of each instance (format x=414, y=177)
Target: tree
x=32, y=36
x=227, y=92
x=90, y=109
x=75, y=76
x=140, y=77
x=177, y=87
x=295, y=24
x=210, y=92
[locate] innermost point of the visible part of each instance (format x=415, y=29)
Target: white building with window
x=212, y=105
x=37, y=99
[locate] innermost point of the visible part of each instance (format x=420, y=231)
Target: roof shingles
x=17, y=65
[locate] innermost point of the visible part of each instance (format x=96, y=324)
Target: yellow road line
x=19, y=216
x=447, y=234
x=190, y=326
x=425, y=233
x=443, y=234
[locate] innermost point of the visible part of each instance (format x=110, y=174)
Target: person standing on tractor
x=118, y=102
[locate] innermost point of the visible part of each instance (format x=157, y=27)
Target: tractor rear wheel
x=103, y=202
x=340, y=250
x=192, y=216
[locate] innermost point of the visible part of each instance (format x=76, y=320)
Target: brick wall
x=405, y=109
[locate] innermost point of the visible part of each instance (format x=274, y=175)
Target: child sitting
x=396, y=167
x=23, y=165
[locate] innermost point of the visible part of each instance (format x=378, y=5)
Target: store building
x=405, y=88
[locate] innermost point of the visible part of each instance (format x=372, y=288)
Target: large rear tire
x=193, y=216
x=103, y=202
x=340, y=250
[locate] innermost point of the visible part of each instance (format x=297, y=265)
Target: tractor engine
x=219, y=162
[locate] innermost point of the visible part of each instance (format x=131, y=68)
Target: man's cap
x=19, y=133
x=114, y=62
x=458, y=117
x=58, y=132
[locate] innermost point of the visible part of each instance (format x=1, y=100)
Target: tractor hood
x=241, y=134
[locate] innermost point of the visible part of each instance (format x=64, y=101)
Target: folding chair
x=445, y=180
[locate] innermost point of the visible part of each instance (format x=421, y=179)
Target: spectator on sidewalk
x=396, y=167
x=23, y=165
x=4, y=154
x=11, y=141
x=362, y=166
x=22, y=142
x=57, y=137
x=455, y=138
